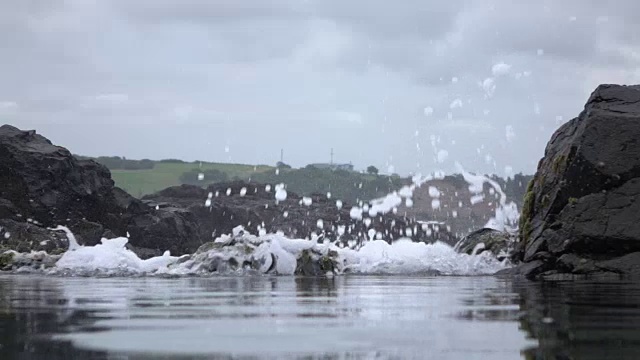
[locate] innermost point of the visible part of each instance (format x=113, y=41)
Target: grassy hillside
x=165, y=174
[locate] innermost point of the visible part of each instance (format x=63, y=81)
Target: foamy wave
x=242, y=253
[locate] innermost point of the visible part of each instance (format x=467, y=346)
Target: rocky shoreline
x=579, y=220
x=45, y=186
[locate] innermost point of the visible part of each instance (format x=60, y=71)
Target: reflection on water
x=365, y=317
x=582, y=320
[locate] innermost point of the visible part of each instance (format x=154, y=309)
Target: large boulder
x=44, y=185
x=582, y=209
x=499, y=243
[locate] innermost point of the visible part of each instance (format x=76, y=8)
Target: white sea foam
x=110, y=256
x=242, y=253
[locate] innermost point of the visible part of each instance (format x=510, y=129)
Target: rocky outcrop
x=43, y=185
x=582, y=209
x=499, y=243
x=254, y=207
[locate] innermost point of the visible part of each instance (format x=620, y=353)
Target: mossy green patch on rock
x=6, y=259
x=311, y=263
x=559, y=163
x=326, y=264
x=527, y=212
x=530, y=185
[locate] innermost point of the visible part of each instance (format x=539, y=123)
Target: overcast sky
x=409, y=86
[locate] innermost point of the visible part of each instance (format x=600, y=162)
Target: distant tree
x=372, y=170
x=281, y=165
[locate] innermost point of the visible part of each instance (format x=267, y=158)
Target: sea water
x=287, y=317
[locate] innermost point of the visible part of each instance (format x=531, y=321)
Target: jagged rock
x=43, y=186
x=310, y=263
x=257, y=209
x=26, y=237
x=498, y=242
x=585, y=197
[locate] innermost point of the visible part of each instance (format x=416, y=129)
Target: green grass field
x=142, y=182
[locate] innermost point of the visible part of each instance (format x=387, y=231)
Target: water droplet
x=281, y=193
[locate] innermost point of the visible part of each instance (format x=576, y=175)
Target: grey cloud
x=210, y=12
x=187, y=78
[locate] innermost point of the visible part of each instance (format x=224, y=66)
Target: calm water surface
x=349, y=317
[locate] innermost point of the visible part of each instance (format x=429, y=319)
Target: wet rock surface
x=316, y=217
x=582, y=209
x=499, y=243
x=44, y=186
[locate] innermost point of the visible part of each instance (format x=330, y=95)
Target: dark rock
x=583, y=205
x=528, y=270
x=575, y=264
x=258, y=209
x=317, y=265
x=498, y=242
x=25, y=237
x=627, y=265
x=45, y=186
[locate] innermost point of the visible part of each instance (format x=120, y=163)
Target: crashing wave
x=242, y=253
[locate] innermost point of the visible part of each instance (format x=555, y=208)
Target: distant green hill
x=163, y=175
x=142, y=177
